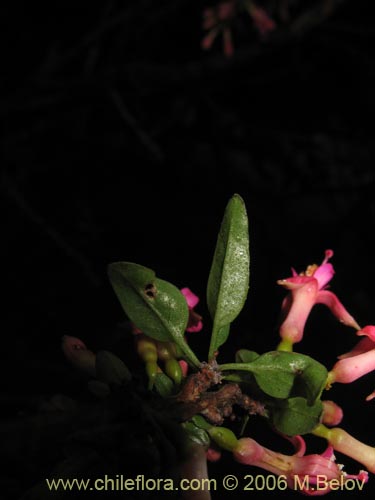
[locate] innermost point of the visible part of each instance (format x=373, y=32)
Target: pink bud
x=332, y=413
x=184, y=367
x=213, y=455
x=78, y=354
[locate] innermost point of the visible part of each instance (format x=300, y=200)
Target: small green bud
x=173, y=370
x=164, y=352
x=146, y=349
x=223, y=437
x=152, y=370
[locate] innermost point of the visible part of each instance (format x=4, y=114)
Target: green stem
x=322, y=431
x=188, y=353
x=285, y=345
x=236, y=366
x=211, y=352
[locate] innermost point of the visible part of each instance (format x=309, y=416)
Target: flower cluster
x=282, y=386
x=220, y=19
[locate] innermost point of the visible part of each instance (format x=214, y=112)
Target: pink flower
x=356, y=363
x=343, y=442
x=263, y=23
x=217, y=20
x=306, y=290
x=78, y=354
x=295, y=468
x=195, y=320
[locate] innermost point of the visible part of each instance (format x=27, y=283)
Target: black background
x=123, y=140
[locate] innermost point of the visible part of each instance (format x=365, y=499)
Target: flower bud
x=146, y=349
x=173, y=370
x=223, y=437
x=152, y=369
x=78, y=354
x=332, y=413
x=164, y=350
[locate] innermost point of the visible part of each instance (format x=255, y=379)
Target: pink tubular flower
x=295, y=468
x=306, y=290
x=343, y=442
x=195, y=320
x=356, y=363
x=78, y=354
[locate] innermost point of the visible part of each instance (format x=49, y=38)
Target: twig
x=129, y=119
x=13, y=193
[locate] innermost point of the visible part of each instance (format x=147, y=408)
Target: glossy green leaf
x=295, y=416
x=155, y=306
x=196, y=434
x=111, y=369
x=282, y=374
x=163, y=385
x=228, y=280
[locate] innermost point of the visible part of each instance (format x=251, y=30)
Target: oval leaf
x=282, y=374
x=294, y=416
x=228, y=280
x=155, y=306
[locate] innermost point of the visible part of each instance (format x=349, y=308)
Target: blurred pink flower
x=217, y=20
x=263, y=23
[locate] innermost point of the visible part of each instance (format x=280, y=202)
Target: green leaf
x=163, y=385
x=281, y=374
x=246, y=356
x=228, y=281
x=295, y=416
x=155, y=306
x=111, y=369
x=196, y=434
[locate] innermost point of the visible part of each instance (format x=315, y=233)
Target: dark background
x=123, y=140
